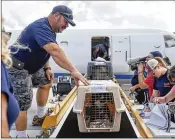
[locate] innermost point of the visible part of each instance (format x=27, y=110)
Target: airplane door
x=170, y=48
x=120, y=53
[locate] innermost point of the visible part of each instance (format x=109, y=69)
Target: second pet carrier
x=99, y=70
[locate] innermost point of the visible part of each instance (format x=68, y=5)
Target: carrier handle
x=89, y=130
x=100, y=63
x=122, y=109
x=77, y=111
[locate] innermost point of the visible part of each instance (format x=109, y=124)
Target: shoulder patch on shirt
x=166, y=84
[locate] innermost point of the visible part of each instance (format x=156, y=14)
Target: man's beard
x=57, y=24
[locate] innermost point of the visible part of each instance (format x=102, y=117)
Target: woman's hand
x=159, y=100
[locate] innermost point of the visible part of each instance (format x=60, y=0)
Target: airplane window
x=169, y=41
x=64, y=43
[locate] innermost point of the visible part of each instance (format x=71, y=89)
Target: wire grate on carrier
x=99, y=71
x=99, y=110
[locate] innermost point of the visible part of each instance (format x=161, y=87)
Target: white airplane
x=123, y=45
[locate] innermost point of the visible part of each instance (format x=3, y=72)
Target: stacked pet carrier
x=99, y=70
x=98, y=105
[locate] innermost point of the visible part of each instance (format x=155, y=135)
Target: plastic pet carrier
x=99, y=70
x=98, y=107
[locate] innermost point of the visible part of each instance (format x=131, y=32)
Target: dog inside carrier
x=99, y=110
x=99, y=70
x=97, y=106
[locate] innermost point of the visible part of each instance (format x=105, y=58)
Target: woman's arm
x=168, y=97
x=5, y=128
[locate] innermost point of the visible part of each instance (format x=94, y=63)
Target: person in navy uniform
x=99, y=50
x=32, y=66
x=9, y=105
x=170, y=95
x=161, y=85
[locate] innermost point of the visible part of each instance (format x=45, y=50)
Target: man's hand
x=140, y=67
x=49, y=74
x=78, y=76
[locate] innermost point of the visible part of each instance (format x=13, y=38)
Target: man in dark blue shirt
x=99, y=50
x=31, y=64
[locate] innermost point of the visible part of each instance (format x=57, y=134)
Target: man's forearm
x=136, y=86
x=59, y=56
x=61, y=59
x=169, y=96
x=141, y=81
x=141, y=77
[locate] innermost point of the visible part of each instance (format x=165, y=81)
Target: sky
x=95, y=14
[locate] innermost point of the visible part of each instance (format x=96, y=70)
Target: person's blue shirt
x=102, y=47
x=101, y=51
x=162, y=84
x=6, y=88
x=135, y=79
x=35, y=36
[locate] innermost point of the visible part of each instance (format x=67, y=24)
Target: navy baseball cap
x=65, y=12
x=156, y=54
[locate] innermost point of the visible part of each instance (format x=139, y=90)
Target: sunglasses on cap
x=70, y=16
